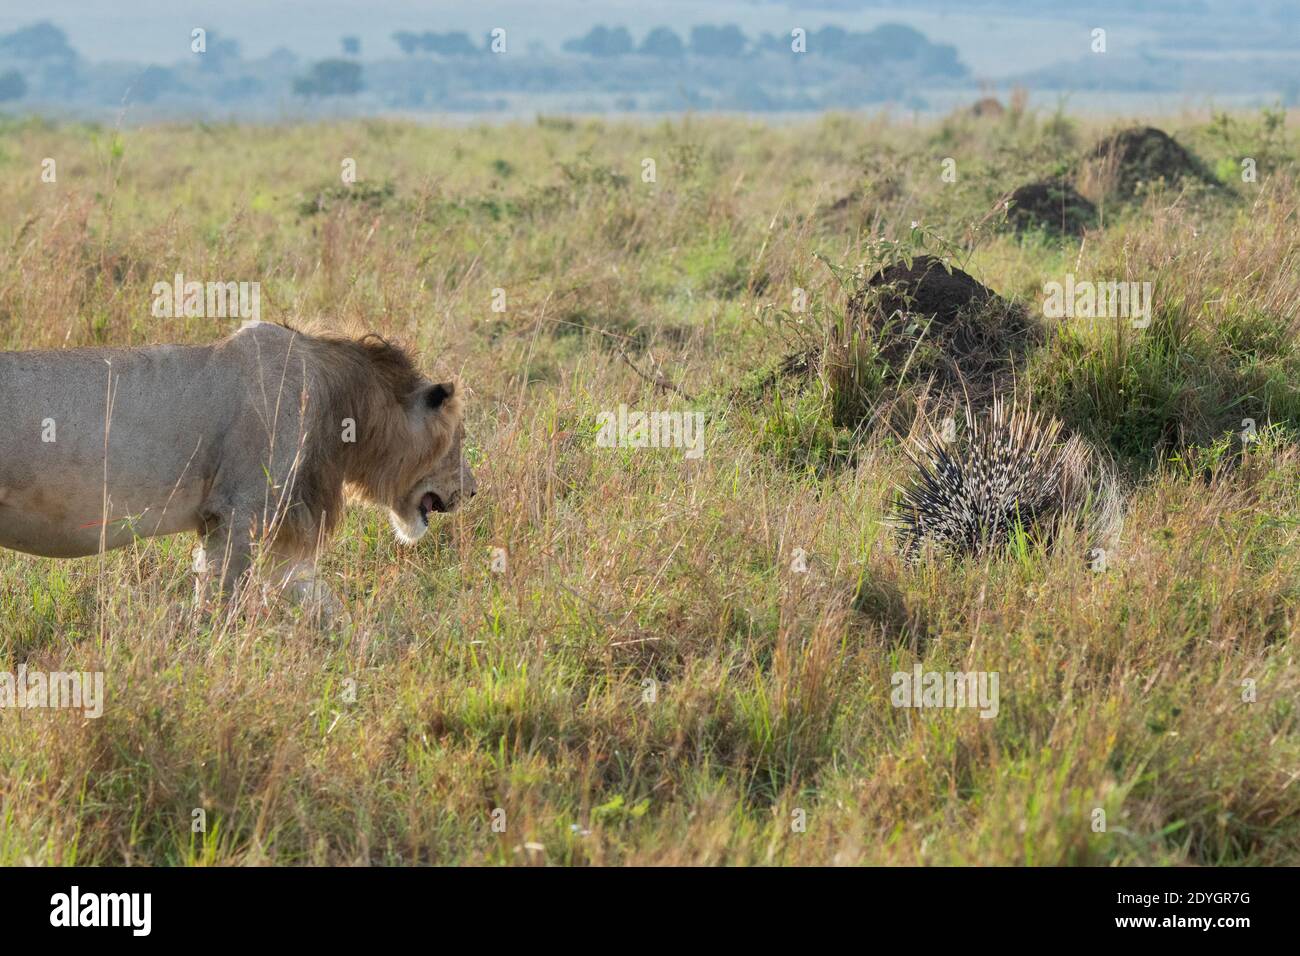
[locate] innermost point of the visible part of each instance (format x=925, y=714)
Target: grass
x=649, y=680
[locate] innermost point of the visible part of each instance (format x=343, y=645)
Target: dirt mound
x=1143, y=154
x=913, y=335
x=847, y=213
x=928, y=325
x=1052, y=206
x=988, y=106
x=925, y=289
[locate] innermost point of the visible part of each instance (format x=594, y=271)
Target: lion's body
x=255, y=435
x=151, y=470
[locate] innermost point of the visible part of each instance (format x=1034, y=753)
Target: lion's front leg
x=222, y=560
x=298, y=580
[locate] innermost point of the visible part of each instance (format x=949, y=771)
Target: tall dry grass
x=649, y=681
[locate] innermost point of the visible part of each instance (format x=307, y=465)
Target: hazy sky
x=159, y=30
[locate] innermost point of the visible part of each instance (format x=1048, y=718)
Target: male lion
x=252, y=438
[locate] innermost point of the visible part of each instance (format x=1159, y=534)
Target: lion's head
x=443, y=481
x=406, y=454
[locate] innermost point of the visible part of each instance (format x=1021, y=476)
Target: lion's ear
x=436, y=396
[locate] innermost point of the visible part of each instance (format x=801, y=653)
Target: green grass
x=649, y=681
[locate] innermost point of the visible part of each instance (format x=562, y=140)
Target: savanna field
x=685, y=660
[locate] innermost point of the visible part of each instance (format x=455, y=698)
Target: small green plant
x=364, y=193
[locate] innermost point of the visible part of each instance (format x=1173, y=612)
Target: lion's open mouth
x=429, y=504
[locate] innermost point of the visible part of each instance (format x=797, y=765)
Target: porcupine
x=1012, y=469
